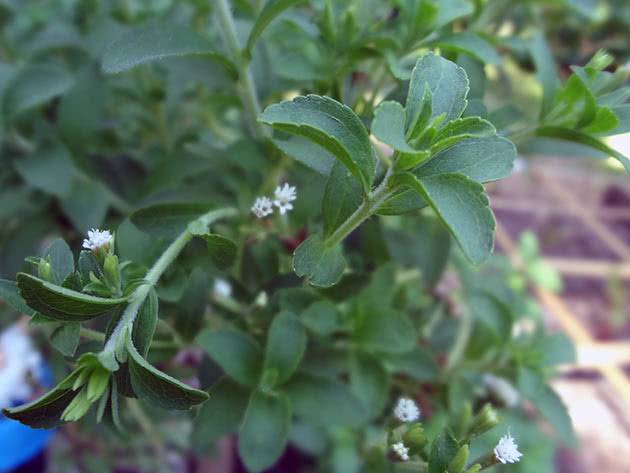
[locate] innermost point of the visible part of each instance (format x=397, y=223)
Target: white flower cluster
x=17, y=359
x=506, y=450
x=406, y=410
x=283, y=196
x=401, y=451
x=97, y=239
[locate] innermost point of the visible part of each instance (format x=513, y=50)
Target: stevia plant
x=298, y=245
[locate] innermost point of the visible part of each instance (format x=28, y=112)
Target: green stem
x=365, y=210
x=463, y=335
x=247, y=89
x=140, y=294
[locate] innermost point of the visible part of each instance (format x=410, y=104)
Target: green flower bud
x=415, y=436
x=45, y=269
x=485, y=420
x=112, y=274
x=459, y=462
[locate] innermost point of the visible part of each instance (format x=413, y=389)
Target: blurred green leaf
x=323, y=266
x=286, y=343
x=65, y=338
x=34, y=86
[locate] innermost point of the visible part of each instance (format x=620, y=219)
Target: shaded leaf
x=323, y=266
x=286, y=343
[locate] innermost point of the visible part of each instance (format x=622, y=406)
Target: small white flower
x=262, y=207
x=401, y=451
x=406, y=410
x=222, y=288
x=506, y=450
x=283, y=198
x=97, y=239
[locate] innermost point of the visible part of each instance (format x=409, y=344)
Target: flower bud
x=476, y=468
x=415, y=436
x=458, y=463
x=112, y=274
x=484, y=421
x=45, y=269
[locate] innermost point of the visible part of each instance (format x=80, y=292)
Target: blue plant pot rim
x=19, y=443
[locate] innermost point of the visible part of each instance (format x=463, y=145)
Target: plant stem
x=247, y=91
x=365, y=210
x=140, y=294
x=463, y=335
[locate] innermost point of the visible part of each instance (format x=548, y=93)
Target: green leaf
x=157, y=387
x=341, y=198
x=451, y=10
x=380, y=330
x=145, y=323
x=9, y=293
x=235, y=352
x=155, y=40
x=323, y=401
x=50, y=170
x=34, y=86
x=460, y=129
x=604, y=121
x=308, y=153
x=389, y=126
x=443, y=450
x=267, y=15
x=496, y=315
x=533, y=387
x=331, y=125
x=471, y=44
x=322, y=266
x=546, y=69
x=369, y=382
x=60, y=303
x=65, y=338
x=222, y=250
x=87, y=265
x=424, y=244
x=286, y=343
x=402, y=201
x=192, y=304
x=61, y=260
x=45, y=412
x=417, y=363
x=168, y=220
x=582, y=138
x=463, y=206
x=321, y=317
x=448, y=85
x=263, y=436
x=221, y=415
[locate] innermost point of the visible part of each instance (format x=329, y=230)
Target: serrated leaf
x=265, y=430
x=170, y=219
x=286, y=343
x=463, y=206
x=222, y=414
x=65, y=338
x=443, y=450
x=235, y=352
x=389, y=126
x=582, y=138
x=331, y=125
x=461, y=129
x=157, y=387
x=479, y=159
x=60, y=303
x=155, y=40
x=34, y=86
x=341, y=198
x=383, y=330
x=323, y=266
x=45, y=412
x=271, y=10
x=448, y=85
x=323, y=401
